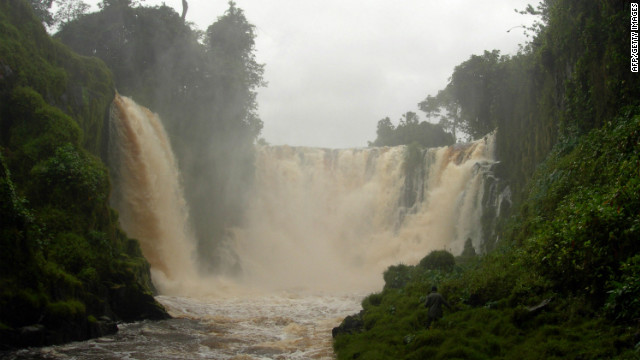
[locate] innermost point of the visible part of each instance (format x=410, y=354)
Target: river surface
x=286, y=325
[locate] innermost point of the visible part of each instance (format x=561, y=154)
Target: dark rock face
x=40, y=335
x=104, y=326
x=351, y=324
x=494, y=196
x=496, y=204
x=134, y=305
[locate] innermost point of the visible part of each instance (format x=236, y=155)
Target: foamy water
x=285, y=325
x=330, y=220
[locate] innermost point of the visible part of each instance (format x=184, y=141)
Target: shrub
x=623, y=303
x=397, y=276
x=438, y=260
x=62, y=311
x=71, y=252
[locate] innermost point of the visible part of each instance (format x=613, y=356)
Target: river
x=282, y=325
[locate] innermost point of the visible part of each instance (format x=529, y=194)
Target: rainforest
x=143, y=216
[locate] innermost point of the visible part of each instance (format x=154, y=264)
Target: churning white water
x=284, y=325
x=335, y=219
x=321, y=224
x=318, y=219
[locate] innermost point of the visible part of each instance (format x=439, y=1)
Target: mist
x=317, y=219
x=334, y=220
x=206, y=87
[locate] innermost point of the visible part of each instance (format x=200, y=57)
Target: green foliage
x=62, y=311
x=71, y=252
x=624, y=297
x=469, y=99
x=411, y=130
x=71, y=172
x=397, y=276
x=42, y=128
x=569, y=79
x=80, y=87
x=438, y=260
x=41, y=10
x=582, y=216
x=69, y=10
x=394, y=322
x=60, y=249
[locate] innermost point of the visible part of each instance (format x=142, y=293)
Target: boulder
x=351, y=324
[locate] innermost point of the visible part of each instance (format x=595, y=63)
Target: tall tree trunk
x=185, y=6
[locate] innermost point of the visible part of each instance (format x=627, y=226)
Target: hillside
x=67, y=271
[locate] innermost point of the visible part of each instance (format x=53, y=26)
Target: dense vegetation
x=564, y=279
x=64, y=263
x=573, y=76
x=166, y=65
x=410, y=130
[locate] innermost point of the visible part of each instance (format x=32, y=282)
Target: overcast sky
x=336, y=67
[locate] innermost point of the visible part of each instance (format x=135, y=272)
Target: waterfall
x=335, y=219
x=319, y=219
x=148, y=196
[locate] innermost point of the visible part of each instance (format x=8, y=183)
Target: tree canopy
x=466, y=103
x=566, y=81
x=411, y=130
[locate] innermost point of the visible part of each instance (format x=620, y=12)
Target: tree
x=230, y=42
x=446, y=107
x=469, y=250
x=411, y=130
x=185, y=7
x=107, y=3
x=438, y=260
x=69, y=10
x=467, y=102
x=41, y=10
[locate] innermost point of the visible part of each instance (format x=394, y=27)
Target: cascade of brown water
x=318, y=218
x=147, y=193
x=334, y=219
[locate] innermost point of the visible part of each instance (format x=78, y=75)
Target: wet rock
x=103, y=327
x=131, y=304
x=32, y=335
x=351, y=324
x=37, y=335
